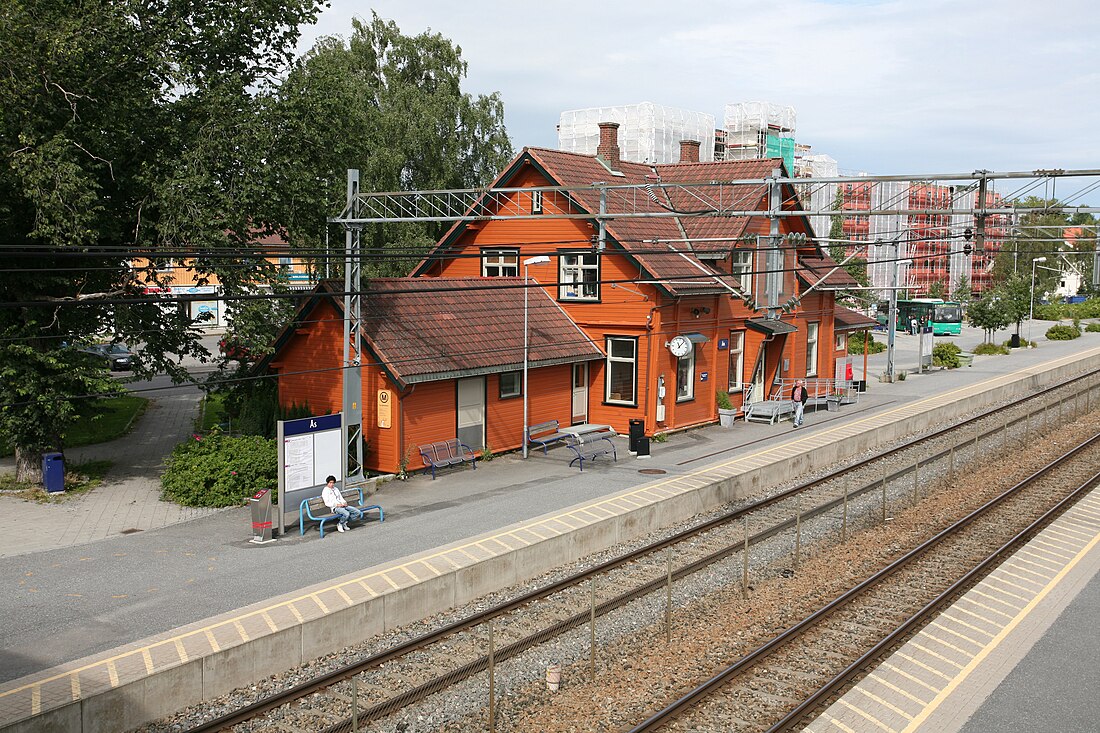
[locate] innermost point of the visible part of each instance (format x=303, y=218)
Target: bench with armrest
x=590, y=447
x=447, y=453
x=315, y=509
x=544, y=434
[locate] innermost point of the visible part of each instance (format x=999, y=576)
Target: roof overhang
x=771, y=326
x=497, y=369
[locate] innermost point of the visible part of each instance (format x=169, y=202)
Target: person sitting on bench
x=334, y=500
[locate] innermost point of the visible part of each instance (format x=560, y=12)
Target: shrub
x=857, y=344
x=946, y=355
x=724, y=402
x=987, y=349
x=218, y=470
x=1062, y=332
x=1093, y=328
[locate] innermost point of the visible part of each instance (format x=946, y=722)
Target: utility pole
x=892, y=317
x=353, y=324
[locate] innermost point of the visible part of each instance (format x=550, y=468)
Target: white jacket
x=332, y=497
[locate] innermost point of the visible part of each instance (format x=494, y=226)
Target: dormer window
x=579, y=276
x=500, y=263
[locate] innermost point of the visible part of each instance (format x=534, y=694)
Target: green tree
x=127, y=127
x=961, y=293
x=938, y=289
x=1015, y=298
x=988, y=314
x=391, y=106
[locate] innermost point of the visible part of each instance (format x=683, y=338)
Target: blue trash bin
x=53, y=472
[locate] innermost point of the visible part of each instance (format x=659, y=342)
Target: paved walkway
x=128, y=499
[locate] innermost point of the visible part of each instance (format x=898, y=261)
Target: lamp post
x=1031, y=307
x=537, y=260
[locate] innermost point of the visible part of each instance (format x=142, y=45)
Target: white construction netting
x=648, y=133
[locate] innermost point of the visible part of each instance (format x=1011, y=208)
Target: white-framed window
x=811, y=348
x=167, y=265
x=737, y=361
x=511, y=385
x=500, y=263
x=579, y=276
x=741, y=267
x=536, y=202
x=841, y=341
x=622, y=371
x=685, y=377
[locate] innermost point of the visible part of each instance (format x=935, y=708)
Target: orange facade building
x=652, y=320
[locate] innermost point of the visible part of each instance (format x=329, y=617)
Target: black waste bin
x=643, y=447
x=637, y=430
x=1014, y=341
x=53, y=472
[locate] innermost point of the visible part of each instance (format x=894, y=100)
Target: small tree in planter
x=726, y=411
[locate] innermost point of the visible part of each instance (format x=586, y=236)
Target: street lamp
x=1031, y=307
x=537, y=260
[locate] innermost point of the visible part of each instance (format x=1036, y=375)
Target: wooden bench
x=315, y=509
x=544, y=434
x=590, y=448
x=447, y=453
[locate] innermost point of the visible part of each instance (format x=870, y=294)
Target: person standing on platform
x=334, y=500
x=799, y=397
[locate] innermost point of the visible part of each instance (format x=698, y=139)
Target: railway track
x=824, y=650
x=513, y=632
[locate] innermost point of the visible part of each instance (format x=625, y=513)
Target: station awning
x=772, y=326
x=696, y=338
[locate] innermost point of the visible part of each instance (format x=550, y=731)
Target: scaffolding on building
x=760, y=130
x=648, y=133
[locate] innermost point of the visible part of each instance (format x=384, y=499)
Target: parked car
x=116, y=357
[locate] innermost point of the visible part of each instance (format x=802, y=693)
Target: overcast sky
x=936, y=86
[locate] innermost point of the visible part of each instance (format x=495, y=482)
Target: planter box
x=726, y=418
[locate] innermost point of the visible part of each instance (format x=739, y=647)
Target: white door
x=580, y=393
x=471, y=412
x=757, y=394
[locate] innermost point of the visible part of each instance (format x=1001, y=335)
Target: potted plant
x=726, y=411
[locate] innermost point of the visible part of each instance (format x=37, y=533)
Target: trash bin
x=1014, y=341
x=261, y=516
x=637, y=430
x=53, y=472
x=643, y=446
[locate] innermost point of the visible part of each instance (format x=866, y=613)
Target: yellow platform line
x=850, y=428
x=997, y=640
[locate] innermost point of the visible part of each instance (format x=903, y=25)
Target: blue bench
x=315, y=509
x=544, y=434
x=447, y=453
x=591, y=449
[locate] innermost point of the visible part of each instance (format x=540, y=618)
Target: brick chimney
x=608, y=149
x=689, y=151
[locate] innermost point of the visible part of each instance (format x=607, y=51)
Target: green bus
x=944, y=317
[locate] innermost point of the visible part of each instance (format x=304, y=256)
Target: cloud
x=887, y=87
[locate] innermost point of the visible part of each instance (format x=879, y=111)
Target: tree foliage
x=127, y=127
x=391, y=106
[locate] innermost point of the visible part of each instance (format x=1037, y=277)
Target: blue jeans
x=799, y=408
x=347, y=513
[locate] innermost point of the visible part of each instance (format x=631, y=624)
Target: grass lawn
x=211, y=413
x=114, y=421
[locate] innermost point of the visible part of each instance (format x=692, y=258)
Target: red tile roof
x=815, y=268
x=428, y=329
x=682, y=272
x=850, y=320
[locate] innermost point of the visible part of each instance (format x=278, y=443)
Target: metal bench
x=591, y=448
x=544, y=434
x=447, y=453
x=315, y=509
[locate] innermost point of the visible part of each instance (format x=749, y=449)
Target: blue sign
x=723, y=344
x=311, y=425
x=703, y=376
